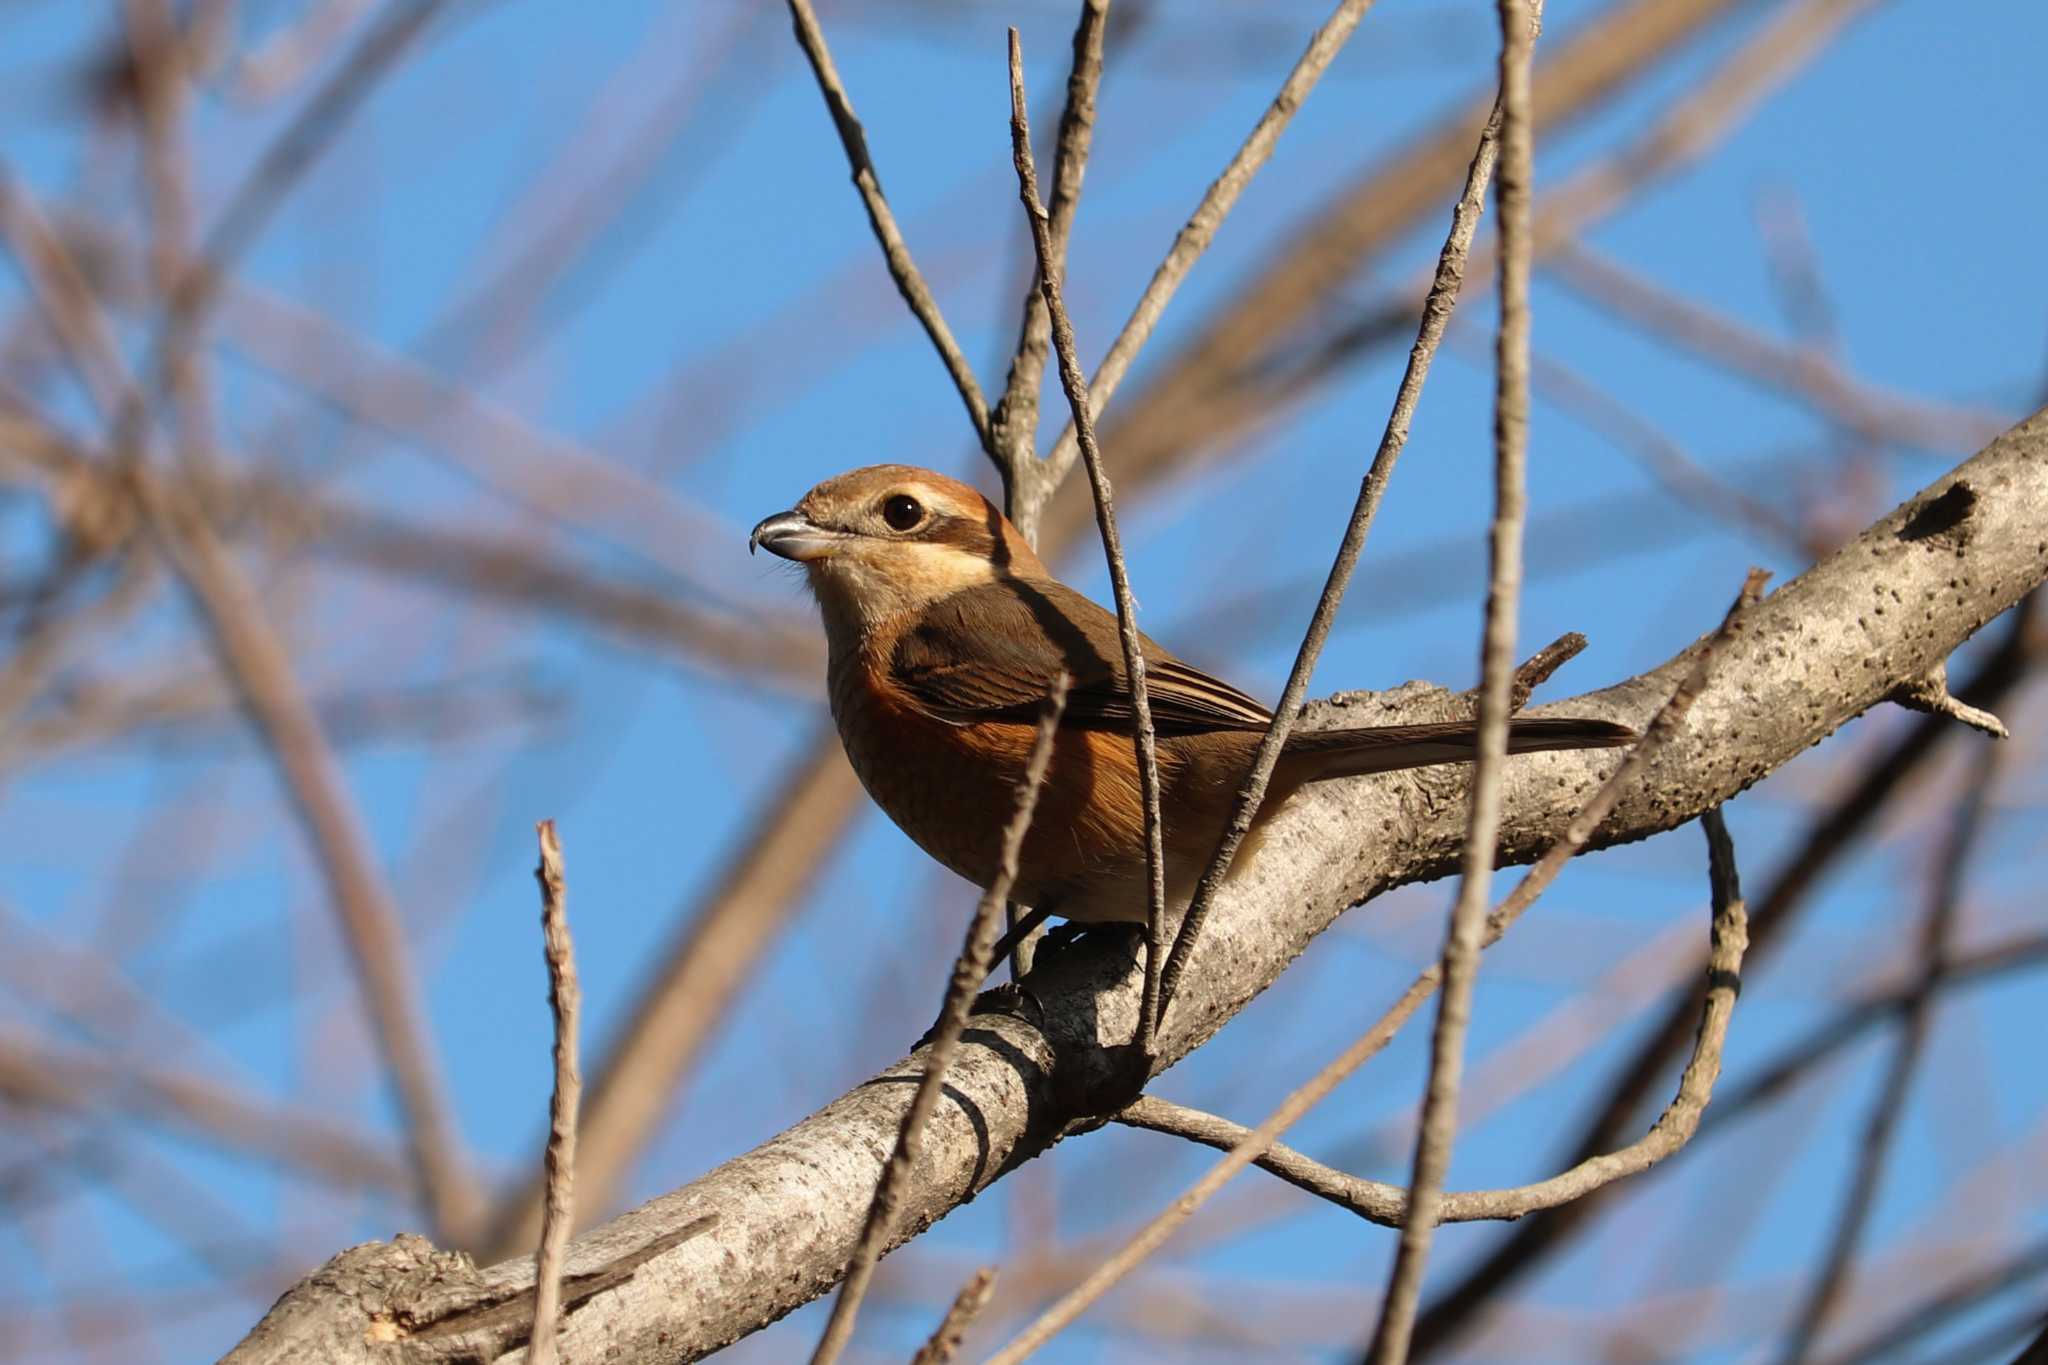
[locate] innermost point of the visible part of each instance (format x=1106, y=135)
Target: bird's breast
x=952, y=788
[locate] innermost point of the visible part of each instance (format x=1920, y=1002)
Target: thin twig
x=1013, y=426
x=1462, y=943
x=944, y=1342
x=1387, y=1205
x=1929, y=693
x=1154, y=1234
x=62, y=295
x=970, y=969
x=1076, y=385
x=287, y=55
x=1795, y=269
x=565, y=1003
x=1249, y=358
x=701, y=971
x=1015, y=420
x=902, y=268
x=158, y=55
x=1536, y=670
x=1436, y=316
x=1831, y=1280
x=1867, y=798
x=1201, y=226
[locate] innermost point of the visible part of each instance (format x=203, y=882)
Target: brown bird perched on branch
x=946, y=633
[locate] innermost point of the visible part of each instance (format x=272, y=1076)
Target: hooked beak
x=794, y=536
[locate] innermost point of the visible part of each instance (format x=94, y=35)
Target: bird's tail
x=1324, y=754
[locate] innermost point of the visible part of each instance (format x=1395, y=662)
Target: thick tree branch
x=1823, y=649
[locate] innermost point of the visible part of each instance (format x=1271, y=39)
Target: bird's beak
x=794, y=536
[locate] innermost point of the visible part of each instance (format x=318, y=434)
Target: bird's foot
x=1013, y=999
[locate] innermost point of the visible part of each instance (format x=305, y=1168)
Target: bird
x=945, y=633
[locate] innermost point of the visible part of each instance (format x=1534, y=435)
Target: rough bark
x=660, y=1284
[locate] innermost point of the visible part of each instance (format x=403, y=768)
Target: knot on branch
x=96, y=516
x=1945, y=517
x=372, y=1294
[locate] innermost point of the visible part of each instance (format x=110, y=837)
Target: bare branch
x=1248, y=354
x=249, y=650
x=555, y=476
x=945, y=1340
x=1202, y=225
x=694, y=982
x=158, y=58
x=758, y=643
x=1154, y=1234
x=1148, y=1240
x=1462, y=942
x=970, y=969
x=1664, y=458
x=1867, y=797
x=1436, y=316
x=1015, y=421
x=1146, y=742
x=1826, y=1040
x=565, y=1002
x=288, y=54
x=1388, y=1205
x=1681, y=1118
x=62, y=295
x=902, y=268
x=1538, y=668
x=1929, y=693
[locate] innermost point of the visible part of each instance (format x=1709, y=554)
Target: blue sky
x=730, y=335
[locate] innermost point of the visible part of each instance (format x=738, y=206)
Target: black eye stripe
x=962, y=532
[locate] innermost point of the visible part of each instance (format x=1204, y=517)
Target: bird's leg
x=1005, y=947
x=1021, y=929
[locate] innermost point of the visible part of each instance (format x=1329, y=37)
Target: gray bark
x=660, y=1284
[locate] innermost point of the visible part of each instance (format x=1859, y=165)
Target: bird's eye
x=902, y=512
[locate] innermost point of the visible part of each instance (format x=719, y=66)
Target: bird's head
x=892, y=538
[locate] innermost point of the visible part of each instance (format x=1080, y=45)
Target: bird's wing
x=991, y=653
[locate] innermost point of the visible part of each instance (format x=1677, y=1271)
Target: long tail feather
x=1387, y=748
